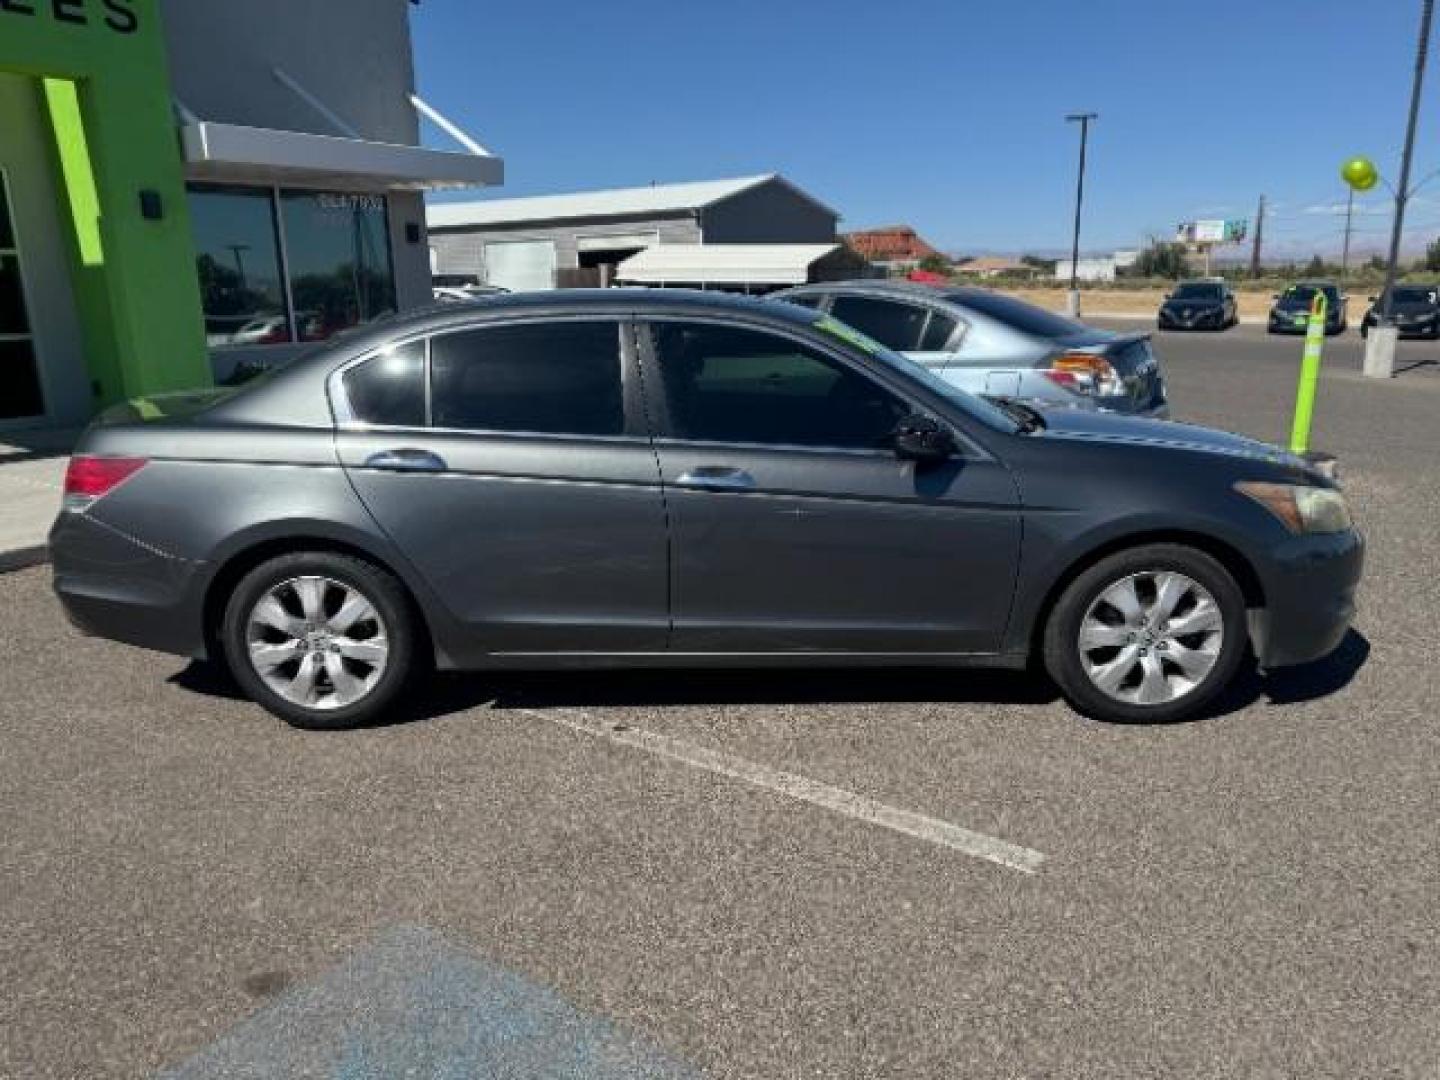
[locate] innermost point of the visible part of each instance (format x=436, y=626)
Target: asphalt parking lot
x=758, y=875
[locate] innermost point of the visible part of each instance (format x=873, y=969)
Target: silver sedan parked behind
x=988, y=343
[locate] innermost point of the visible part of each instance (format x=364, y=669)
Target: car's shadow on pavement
x=449, y=693
x=1293, y=685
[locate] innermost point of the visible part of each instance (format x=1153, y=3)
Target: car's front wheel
x=1151, y=634
x=320, y=639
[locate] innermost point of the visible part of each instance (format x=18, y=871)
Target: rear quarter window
x=389, y=388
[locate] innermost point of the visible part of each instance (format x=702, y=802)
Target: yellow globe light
x=1360, y=173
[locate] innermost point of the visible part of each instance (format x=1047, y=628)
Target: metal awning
x=233, y=152
x=723, y=264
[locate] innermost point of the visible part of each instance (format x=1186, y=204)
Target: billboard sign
x=1228, y=231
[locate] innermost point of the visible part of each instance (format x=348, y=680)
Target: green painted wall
x=103, y=84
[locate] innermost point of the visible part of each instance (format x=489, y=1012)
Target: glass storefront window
x=335, y=258
x=237, y=257
x=338, y=249
x=21, y=396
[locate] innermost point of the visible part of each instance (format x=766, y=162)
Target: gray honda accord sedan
x=662, y=478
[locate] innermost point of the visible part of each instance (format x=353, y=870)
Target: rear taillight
x=1084, y=373
x=89, y=478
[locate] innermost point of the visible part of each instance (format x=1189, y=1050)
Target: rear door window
x=559, y=378
x=894, y=324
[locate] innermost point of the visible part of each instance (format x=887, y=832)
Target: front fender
x=1054, y=551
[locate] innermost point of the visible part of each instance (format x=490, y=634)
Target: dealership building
x=190, y=185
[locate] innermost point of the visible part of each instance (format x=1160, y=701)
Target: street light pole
x=1380, y=347
x=1345, y=251
x=1083, y=119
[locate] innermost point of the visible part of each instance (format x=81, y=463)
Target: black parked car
x=615, y=478
x=1415, y=309
x=1291, y=311
x=1199, y=305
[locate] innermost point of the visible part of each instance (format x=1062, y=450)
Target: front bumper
x=1412, y=330
x=1286, y=325
x=1310, y=591
x=1208, y=319
x=115, y=586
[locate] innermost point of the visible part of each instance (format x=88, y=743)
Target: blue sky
x=948, y=114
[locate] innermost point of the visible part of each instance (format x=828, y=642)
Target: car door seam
x=639, y=365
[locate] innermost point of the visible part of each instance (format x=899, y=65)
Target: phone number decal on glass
x=328, y=201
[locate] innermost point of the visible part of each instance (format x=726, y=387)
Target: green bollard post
x=1309, y=376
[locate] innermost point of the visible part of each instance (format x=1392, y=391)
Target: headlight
x=1302, y=509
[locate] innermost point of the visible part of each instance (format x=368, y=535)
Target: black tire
x=397, y=621
x=1062, y=633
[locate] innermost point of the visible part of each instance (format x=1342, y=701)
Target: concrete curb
x=23, y=558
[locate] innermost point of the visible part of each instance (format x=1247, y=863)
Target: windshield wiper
x=1027, y=416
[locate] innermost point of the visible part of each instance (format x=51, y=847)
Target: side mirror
x=1169, y=296
x=1373, y=299
x=922, y=438
x=1275, y=296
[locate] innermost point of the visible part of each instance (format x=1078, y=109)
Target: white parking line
x=838, y=800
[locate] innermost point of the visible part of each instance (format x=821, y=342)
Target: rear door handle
x=716, y=478
x=406, y=459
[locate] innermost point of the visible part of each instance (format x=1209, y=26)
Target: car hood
x=1076, y=424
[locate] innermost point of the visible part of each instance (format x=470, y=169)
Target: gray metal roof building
x=577, y=239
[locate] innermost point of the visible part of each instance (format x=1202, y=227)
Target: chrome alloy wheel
x=1151, y=638
x=317, y=642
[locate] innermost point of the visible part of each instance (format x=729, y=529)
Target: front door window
x=20, y=393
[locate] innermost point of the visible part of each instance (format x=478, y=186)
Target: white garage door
x=521, y=265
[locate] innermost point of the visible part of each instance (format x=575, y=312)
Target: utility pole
x=1259, y=232
x=1083, y=119
x=1345, y=250
x=1380, y=345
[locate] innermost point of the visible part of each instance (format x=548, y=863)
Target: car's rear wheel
x=1151, y=634
x=320, y=639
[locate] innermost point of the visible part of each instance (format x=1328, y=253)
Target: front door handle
x=406, y=459
x=717, y=478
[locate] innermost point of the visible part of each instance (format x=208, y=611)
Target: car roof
x=897, y=286
x=617, y=301
x=918, y=290
x=442, y=315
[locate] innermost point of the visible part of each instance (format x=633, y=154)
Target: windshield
x=1027, y=318
x=1303, y=294
x=975, y=407
x=1197, y=291
x=1414, y=294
